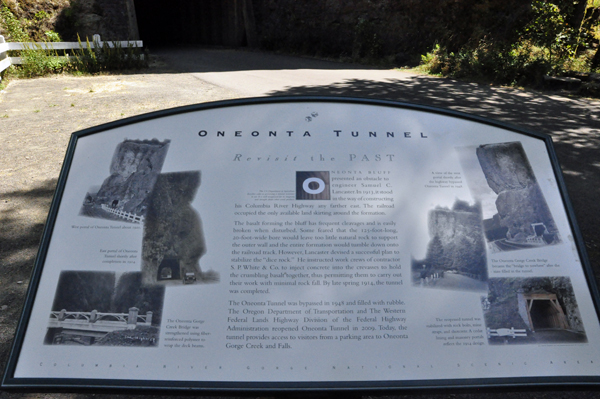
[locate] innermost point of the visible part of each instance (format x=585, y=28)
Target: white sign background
x=346, y=139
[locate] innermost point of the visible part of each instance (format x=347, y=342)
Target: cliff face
x=111, y=19
x=457, y=240
x=520, y=202
x=172, y=228
x=374, y=28
x=505, y=166
x=451, y=225
x=519, y=209
x=566, y=297
x=133, y=172
x=84, y=291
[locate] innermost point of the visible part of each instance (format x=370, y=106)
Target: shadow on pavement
x=22, y=218
x=20, y=230
x=196, y=59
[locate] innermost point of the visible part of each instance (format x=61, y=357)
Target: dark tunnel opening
x=201, y=22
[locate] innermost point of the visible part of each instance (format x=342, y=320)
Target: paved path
x=37, y=117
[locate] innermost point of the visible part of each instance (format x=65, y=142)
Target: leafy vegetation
x=558, y=38
x=107, y=57
x=37, y=61
x=12, y=26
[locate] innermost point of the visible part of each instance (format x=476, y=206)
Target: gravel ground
x=37, y=117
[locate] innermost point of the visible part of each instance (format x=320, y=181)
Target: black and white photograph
x=516, y=215
x=123, y=196
x=532, y=311
x=105, y=309
x=174, y=240
x=456, y=257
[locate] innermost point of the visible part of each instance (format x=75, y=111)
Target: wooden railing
x=6, y=61
x=132, y=217
x=95, y=320
x=506, y=332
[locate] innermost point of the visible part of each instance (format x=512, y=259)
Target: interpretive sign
x=317, y=243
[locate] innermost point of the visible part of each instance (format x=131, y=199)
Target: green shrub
x=12, y=26
x=52, y=36
x=544, y=43
x=39, y=62
x=41, y=15
x=106, y=58
x=511, y=65
x=550, y=31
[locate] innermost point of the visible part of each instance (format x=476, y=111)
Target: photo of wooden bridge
x=104, y=309
x=87, y=327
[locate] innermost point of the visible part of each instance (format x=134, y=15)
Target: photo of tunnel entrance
x=532, y=310
x=542, y=311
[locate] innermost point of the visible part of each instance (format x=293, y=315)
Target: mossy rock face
x=36, y=17
x=134, y=169
x=70, y=19
x=520, y=202
x=107, y=18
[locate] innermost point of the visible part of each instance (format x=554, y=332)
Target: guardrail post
x=132, y=317
x=3, y=54
x=62, y=315
x=149, y=318
x=4, y=60
x=93, y=316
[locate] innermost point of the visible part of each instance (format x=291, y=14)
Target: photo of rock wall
x=173, y=241
x=105, y=309
x=456, y=257
x=522, y=219
x=532, y=311
x=123, y=195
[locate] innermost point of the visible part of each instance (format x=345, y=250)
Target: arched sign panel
x=276, y=244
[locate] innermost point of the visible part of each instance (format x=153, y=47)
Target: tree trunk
x=579, y=14
x=596, y=60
